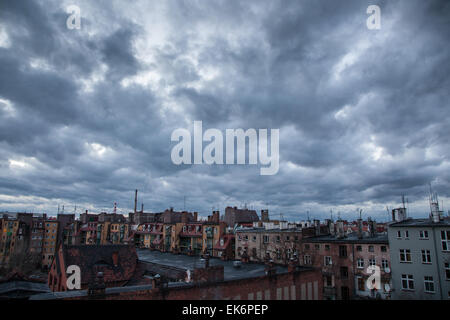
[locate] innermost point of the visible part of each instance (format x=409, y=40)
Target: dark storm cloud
x=86, y=115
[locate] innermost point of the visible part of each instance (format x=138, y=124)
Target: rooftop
x=421, y=223
x=247, y=270
x=273, y=230
x=351, y=238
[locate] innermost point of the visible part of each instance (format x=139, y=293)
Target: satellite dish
x=387, y=270
x=387, y=287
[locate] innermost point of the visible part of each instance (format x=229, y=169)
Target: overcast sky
x=86, y=115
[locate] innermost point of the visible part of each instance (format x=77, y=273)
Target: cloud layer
x=86, y=115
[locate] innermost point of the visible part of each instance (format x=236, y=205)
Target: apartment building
x=420, y=255
x=50, y=241
x=343, y=260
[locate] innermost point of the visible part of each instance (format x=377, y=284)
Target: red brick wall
x=304, y=285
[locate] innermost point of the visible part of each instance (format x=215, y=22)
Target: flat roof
x=351, y=238
x=247, y=270
x=421, y=223
x=263, y=230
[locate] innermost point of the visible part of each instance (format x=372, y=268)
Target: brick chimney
x=317, y=227
x=270, y=268
x=216, y=216
x=360, y=231
x=195, y=216
x=184, y=217
x=292, y=266
x=96, y=289
x=115, y=258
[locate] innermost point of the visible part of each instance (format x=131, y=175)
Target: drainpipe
x=353, y=269
x=437, y=263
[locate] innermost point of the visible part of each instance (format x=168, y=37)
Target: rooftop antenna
x=115, y=207
x=184, y=203
x=407, y=206
x=63, y=209
x=58, y=208
x=331, y=214
x=307, y=214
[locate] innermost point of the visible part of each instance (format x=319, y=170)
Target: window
x=358, y=248
x=371, y=249
x=406, y=234
x=307, y=259
x=266, y=239
x=287, y=238
x=360, y=263
x=383, y=249
x=317, y=246
x=423, y=234
x=343, y=251
x=327, y=247
x=405, y=255
x=445, y=238
x=327, y=261
x=246, y=237
x=447, y=271
x=399, y=234
x=254, y=238
x=426, y=256
x=407, y=282
x=306, y=246
x=278, y=238
x=384, y=264
x=344, y=272
x=329, y=281
x=429, y=284
x=361, y=284
x=372, y=262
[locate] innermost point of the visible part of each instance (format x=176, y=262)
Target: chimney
x=360, y=231
x=115, y=258
x=97, y=288
x=265, y=215
x=195, y=216
x=135, y=201
x=270, y=268
x=398, y=214
x=216, y=216
x=184, y=217
x=292, y=266
x=436, y=214
x=340, y=233
x=330, y=226
x=317, y=227
x=142, y=207
x=372, y=227
x=156, y=280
